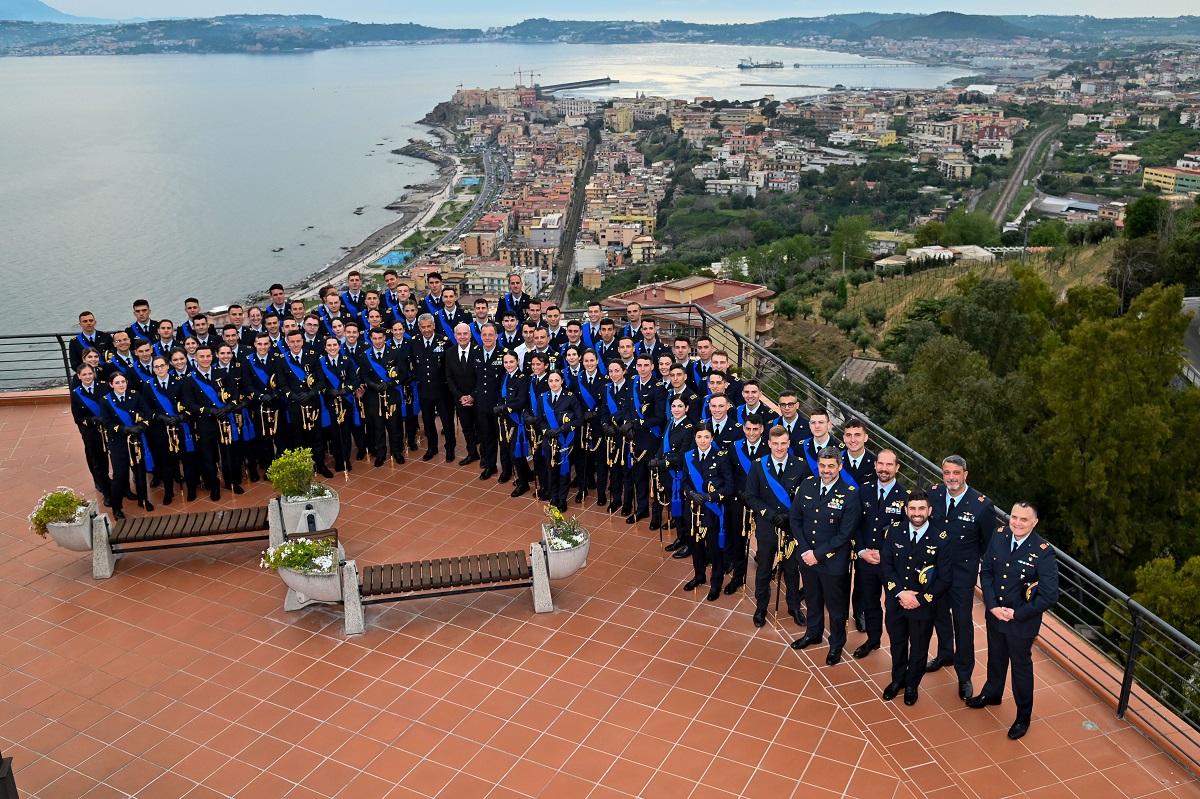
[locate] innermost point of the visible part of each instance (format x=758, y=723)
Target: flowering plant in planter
x=561, y=532
x=303, y=555
x=58, y=506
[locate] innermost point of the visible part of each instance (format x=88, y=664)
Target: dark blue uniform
x=1008, y=577
x=677, y=437
x=512, y=400
x=766, y=494
x=121, y=440
x=429, y=374
x=825, y=523
x=489, y=372
x=904, y=563
x=878, y=515
x=969, y=523
x=557, y=419
x=706, y=474
x=742, y=456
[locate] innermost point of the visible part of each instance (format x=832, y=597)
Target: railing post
x=62, y=348
x=1135, y=651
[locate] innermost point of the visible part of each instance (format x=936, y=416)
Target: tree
x=849, y=238
x=786, y=306
x=987, y=315
x=1119, y=434
x=929, y=234
x=830, y=306
x=810, y=223
x=974, y=227
x=805, y=309
x=876, y=314
x=1048, y=233
x=847, y=321
x=863, y=340
x=1144, y=215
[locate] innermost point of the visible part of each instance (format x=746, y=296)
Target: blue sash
x=263, y=377
x=774, y=484
x=392, y=303
x=521, y=444
x=697, y=374
x=162, y=351
x=612, y=403
x=127, y=420
x=352, y=306
x=337, y=383
x=676, y=475
x=431, y=305
x=447, y=328
x=83, y=342
x=383, y=375
x=812, y=462
x=637, y=407
x=588, y=338
x=236, y=432
x=475, y=334
x=168, y=407
x=698, y=482
x=281, y=345
x=87, y=401
x=588, y=398
x=849, y=478
x=743, y=458
x=564, y=439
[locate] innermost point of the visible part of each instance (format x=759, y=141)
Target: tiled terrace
x=182, y=676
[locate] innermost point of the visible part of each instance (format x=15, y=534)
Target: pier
x=551, y=88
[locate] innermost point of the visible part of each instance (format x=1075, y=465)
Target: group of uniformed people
x=591, y=405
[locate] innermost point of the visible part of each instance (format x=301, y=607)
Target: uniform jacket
x=970, y=524
x=903, y=564
x=826, y=524
x=1006, y=577
x=429, y=366
x=878, y=517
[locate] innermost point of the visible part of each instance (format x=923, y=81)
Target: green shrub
x=60, y=505
x=291, y=474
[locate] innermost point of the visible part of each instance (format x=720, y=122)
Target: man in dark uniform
x=489, y=374
x=429, y=373
x=450, y=314
x=915, y=562
x=770, y=490
x=590, y=328
x=825, y=515
x=646, y=415
x=353, y=298
x=590, y=386
x=126, y=419
x=462, y=363
x=679, y=387
x=556, y=332
x=87, y=413
x=341, y=405
x=510, y=333
x=606, y=347
x=199, y=395
x=883, y=500
x=516, y=301
x=259, y=370
x=743, y=455
x=1019, y=577
x=818, y=440
x=143, y=326
x=648, y=342
x=512, y=402
x=384, y=371
x=707, y=481
x=228, y=376
x=792, y=420
x=301, y=377
x=613, y=450
x=858, y=468
x=969, y=518
x=431, y=303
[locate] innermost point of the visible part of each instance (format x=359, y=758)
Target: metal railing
x=1145, y=665
x=34, y=361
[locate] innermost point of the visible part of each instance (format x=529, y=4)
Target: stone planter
x=565, y=562
x=305, y=588
x=326, y=509
x=77, y=535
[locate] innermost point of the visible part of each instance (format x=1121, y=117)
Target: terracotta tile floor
x=182, y=676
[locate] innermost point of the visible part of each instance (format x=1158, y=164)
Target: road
x=1016, y=178
x=565, y=272
x=495, y=175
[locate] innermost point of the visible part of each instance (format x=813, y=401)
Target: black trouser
x=1004, y=649
x=766, y=542
x=96, y=457
x=868, y=580
x=488, y=430
x=824, y=591
x=954, y=624
x=660, y=498
x=736, y=539
x=411, y=418
x=118, y=452
x=263, y=449
x=541, y=469
x=339, y=439
x=381, y=426
x=636, y=481
x=707, y=550
x=557, y=482
x=232, y=456
x=430, y=410
x=314, y=438
x=207, y=453
x=466, y=423
x=908, y=633
x=611, y=479
x=166, y=463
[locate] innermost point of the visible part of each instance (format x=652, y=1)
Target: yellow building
x=619, y=120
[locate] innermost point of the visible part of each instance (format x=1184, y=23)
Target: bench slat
x=523, y=571
x=505, y=569
x=455, y=572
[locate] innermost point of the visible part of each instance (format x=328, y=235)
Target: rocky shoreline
x=418, y=204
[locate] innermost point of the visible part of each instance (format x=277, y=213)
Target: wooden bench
x=146, y=533
x=396, y=582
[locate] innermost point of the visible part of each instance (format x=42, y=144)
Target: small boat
x=277, y=249
x=750, y=63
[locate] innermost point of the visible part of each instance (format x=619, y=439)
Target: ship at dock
x=750, y=63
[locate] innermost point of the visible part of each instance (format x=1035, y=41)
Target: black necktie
x=87, y=390
x=717, y=431
x=779, y=470
x=912, y=534
x=953, y=503
x=463, y=353
x=701, y=459
x=882, y=494
x=824, y=491
x=1014, y=546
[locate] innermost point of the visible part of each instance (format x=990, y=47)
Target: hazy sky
x=483, y=13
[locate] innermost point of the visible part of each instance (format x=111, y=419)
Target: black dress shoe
x=155, y=483
x=733, y=587
x=504, y=478
x=322, y=470
x=806, y=641
x=891, y=691
x=168, y=500
x=982, y=701
x=683, y=552
x=191, y=495
x=237, y=488
x=865, y=650
x=655, y=525
x=428, y=456
x=362, y=454
x=253, y=474
x=412, y=446
x=578, y=497
x=937, y=663
x=626, y=510
x=965, y=689
x=486, y=473
x=398, y=458
x=729, y=568
x=601, y=499
x=799, y=617
x=467, y=461
x=132, y=497
x=910, y=696
x=1018, y=729
x=760, y=618
x=693, y=583
x=834, y=657
x=148, y=506
x=107, y=502
x=612, y=506
x=449, y=457
x=674, y=545
x=519, y=489
x=119, y=515
x=714, y=591
x=378, y=461
x=634, y=518
x=215, y=495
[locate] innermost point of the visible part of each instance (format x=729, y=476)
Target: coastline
x=416, y=207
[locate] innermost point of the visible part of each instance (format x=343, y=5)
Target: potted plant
x=567, y=544
x=66, y=517
x=308, y=567
x=291, y=474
